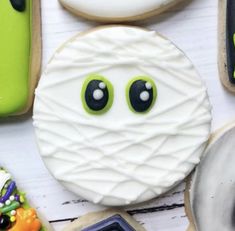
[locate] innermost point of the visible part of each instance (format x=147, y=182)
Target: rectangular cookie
x=226, y=32
x=20, y=57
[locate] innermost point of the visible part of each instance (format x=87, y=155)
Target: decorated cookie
x=227, y=43
x=20, y=54
x=211, y=192
x=15, y=211
x=121, y=10
x=108, y=220
x=121, y=115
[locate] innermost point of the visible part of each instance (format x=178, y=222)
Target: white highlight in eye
x=102, y=85
x=144, y=96
x=98, y=94
x=148, y=85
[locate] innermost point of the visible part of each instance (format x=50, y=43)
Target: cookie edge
x=35, y=55
x=222, y=56
x=138, y=17
x=95, y=217
x=213, y=138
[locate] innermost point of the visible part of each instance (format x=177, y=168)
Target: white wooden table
x=193, y=27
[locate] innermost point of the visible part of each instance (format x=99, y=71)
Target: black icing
x=19, y=5
x=4, y=222
x=233, y=217
x=230, y=48
x=93, y=104
x=136, y=89
x=112, y=227
x=114, y=223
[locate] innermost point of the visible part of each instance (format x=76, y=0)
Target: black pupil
x=96, y=103
x=138, y=104
x=18, y=5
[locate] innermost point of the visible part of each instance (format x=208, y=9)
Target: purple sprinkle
x=17, y=197
x=9, y=191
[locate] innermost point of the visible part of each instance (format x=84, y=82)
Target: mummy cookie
x=15, y=211
x=211, y=192
x=20, y=54
x=105, y=220
x=121, y=115
x=121, y=10
x=227, y=44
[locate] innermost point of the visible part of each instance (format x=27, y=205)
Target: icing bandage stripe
x=121, y=157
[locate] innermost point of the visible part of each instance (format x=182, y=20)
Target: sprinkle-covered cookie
x=15, y=212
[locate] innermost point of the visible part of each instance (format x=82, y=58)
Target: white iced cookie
x=212, y=191
x=120, y=10
x=121, y=115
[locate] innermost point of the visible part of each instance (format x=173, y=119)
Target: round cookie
x=121, y=115
x=20, y=54
x=121, y=10
x=210, y=195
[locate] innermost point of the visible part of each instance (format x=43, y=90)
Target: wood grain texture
x=193, y=27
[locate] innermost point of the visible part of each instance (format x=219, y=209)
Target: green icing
x=110, y=90
x=147, y=79
x=14, y=57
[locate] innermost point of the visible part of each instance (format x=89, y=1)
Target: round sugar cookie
x=121, y=115
x=210, y=194
x=121, y=10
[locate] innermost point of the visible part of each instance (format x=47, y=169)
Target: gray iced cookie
x=211, y=192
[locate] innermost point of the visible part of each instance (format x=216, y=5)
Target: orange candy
x=26, y=220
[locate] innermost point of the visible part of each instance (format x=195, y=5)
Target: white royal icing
x=98, y=94
x=116, y=9
x=144, y=96
x=212, y=193
x=4, y=177
x=121, y=157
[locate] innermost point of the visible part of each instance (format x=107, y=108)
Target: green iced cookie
x=15, y=43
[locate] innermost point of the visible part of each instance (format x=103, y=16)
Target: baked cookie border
x=121, y=19
x=213, y=138
x=94, y=217
x=222, y=54
x=35, y=54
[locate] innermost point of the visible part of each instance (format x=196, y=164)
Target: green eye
x=141, y=94
x=97, y=94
